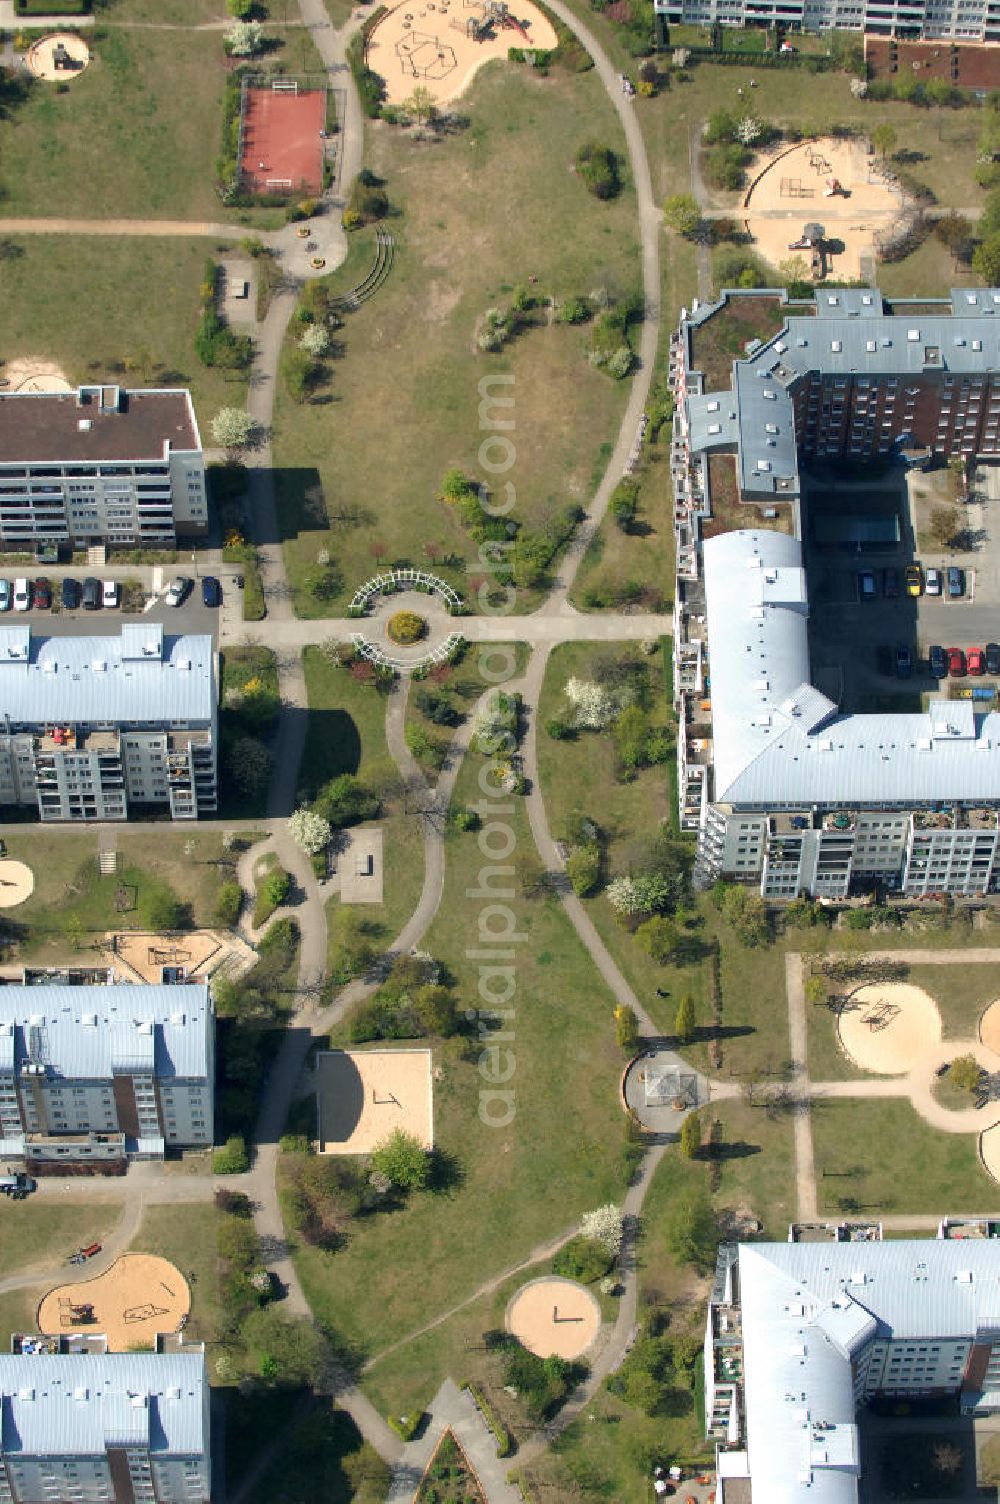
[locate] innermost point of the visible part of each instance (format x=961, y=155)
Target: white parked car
x=22, y=595
x=111, y=593
x=932, y=582
x=179, y=590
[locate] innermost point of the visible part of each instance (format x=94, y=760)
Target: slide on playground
x=510, y=20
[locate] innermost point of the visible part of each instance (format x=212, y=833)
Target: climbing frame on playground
x=57, y=58
x=439, y=44
x=140, y=1296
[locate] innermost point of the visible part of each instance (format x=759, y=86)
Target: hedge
x=52, y=7
x=502, y=1437
x=811, y=61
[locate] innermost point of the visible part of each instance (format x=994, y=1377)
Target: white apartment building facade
x=98, y=1075
x=802, y=1336
x=101, y=465
x=105, y=1428
x=91, y=727
x=959, y=20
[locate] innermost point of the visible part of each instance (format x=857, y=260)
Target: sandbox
x=790, y=190
x=26, y=373
x=440, y=44
x=58, y=58
x=138, y=1297
x=144, y=956
x=888, y=1028
x=17, y=883
x=554, y=1317
x=364, y=1096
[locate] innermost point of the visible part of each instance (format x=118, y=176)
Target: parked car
x=975, y=662
x=867, y=588
x=111, y=593
x=954, y=582
x=956, y=663
x=890, y=583
x=211, y=591
x=932, y=582
x=904, y=661
x=22, y=595
x=42, y=595
x=6, y=595
x=993, y=657
x=179, y=590
x=91, y=593
x=914, y=576
x=937, y=662
x=70, y=593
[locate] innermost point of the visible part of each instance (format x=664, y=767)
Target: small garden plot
x=449, y=1478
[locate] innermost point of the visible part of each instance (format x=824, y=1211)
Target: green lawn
x=166, y=12
x=880, y=1156
x=514, y=1185
x=638, y=565
x=346, y=732
x=480, y=211
x=136, y=134
x=185, y=1234
x=73, y=906
x=121, y=309
x=40, y=1230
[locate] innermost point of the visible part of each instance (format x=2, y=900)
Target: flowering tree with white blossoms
x=605, y=1226
x=315, y=340
x=244, y=38
x=309, y=831
x=593, y=706
x=624, y=896
x=232, y=428
x=748, y=130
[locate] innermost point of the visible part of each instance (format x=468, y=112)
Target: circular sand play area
x=17, y=882
x=554, y=1317
x=889, y=1027
x=439, y=44
x=989, y=1150
x=139, y=1296
x=58, y=58
x=835, y=186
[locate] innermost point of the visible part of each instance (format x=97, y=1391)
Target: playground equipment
x=74, y=1313
x=812, y=236
x=881, y=1016
x=795, y=188
x=425, y=56
x=835, y=187
x=490, y=13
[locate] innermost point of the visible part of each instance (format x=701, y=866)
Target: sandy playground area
x=27, y=374
x=789, y=191
x=363, y=1096
x=139, y=1296
x=989, y=1150
x=17, y=883
x=441, y=43
x=554, y=1317
x=989, y=1027
x=58, y=58
x=142, y=956
x=889, y=1027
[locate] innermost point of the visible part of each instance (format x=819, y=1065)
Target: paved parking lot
x=853, y=642
x=223, y=623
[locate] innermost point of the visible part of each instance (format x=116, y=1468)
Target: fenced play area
x=134, y=1300
x=282, y=136
x=363, y=1096
x=440, y=44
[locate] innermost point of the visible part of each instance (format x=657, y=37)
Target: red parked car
x=956, y=663
x=42, y=599
x=976, y=661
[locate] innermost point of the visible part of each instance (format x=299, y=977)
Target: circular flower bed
x=406, y=627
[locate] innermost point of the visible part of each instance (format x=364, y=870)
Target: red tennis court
x=282, y=145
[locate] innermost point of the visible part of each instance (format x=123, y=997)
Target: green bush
x=598, y=167
x=367, y=200
x=573, y=311
x=584, y=1259
x=228, y=902
x=345, y=800
x=272, y=893
x=370, y=85
x=232, y=1158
